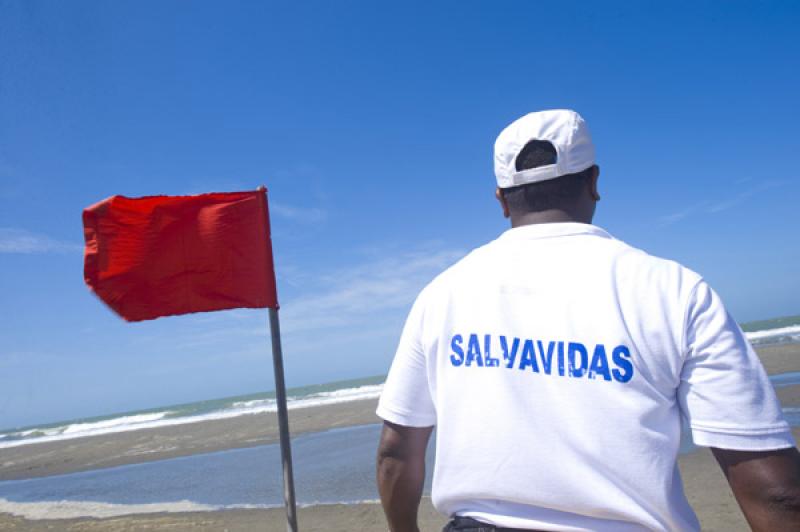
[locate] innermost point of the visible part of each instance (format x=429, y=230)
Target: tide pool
x=334, y=466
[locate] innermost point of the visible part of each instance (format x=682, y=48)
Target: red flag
x=166, y=255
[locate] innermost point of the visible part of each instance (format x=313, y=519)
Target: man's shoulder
x=634, y=266
x=476, y=260
x=483, y=258
x=636, y=259
x=454, y=274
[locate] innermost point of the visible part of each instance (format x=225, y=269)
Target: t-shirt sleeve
x=406, y=397
x=724, y=392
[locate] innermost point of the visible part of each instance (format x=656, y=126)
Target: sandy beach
x=81, y=454
x=705, y=485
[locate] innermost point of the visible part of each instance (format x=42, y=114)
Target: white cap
x=564, y=128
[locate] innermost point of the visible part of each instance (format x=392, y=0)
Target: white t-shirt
x=556, y=363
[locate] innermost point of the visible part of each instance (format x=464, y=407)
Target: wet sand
x=109, y=450
x=705, y=485
x=333, y=518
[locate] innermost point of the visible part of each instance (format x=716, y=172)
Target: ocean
x=766, y=332
x=334, y=466
x=228, y=407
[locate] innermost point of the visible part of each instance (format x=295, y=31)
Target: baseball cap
x=563, y=128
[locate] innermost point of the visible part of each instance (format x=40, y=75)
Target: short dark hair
x=544, y=195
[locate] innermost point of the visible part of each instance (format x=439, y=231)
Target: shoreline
x=706, y=487
x=160, y=443
x=250, y=430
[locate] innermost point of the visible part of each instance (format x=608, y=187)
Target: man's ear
x=498, y=193
x=593, y=183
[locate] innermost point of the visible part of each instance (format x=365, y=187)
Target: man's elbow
x=784, y=499
x=388, y=463
x=394, y=464
x=401, y=452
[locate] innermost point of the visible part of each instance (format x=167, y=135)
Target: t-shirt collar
x=525, y=232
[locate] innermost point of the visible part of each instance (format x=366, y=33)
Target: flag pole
x=283, y=422
x=283, y=414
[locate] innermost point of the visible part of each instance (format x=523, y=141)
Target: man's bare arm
x=401, y=473
x=766, y=485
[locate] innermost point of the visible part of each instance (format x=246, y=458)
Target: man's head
x=545, y=169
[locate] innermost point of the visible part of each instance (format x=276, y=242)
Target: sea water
x=775, y=331
x=228, y=407
x=334, y=466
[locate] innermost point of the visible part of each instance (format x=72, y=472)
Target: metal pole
x=283, y=422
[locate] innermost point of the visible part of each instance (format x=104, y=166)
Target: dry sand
x=705, y=485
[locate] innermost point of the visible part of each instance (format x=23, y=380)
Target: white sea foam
x=100, y=510
x=793, y=331
x=160, y=419
x=77, y=430
x=242, y=408
x=125, y=421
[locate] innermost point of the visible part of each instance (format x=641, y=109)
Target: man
x=556, y=363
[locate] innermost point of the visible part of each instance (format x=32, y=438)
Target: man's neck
x=551, y=216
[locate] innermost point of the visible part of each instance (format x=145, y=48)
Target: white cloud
x=743, y=196
x=298, y=214
x=677, y=216
x=353, y=296
x=724, y=205
x=719, y=205
x=26, y=242
x=218, y=184
x=365, y=301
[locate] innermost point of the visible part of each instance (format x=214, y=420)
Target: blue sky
x=372, y=125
